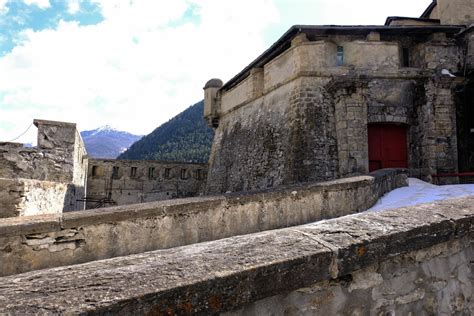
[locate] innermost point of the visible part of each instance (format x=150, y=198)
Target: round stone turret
x=214, y=83
x=212, y=101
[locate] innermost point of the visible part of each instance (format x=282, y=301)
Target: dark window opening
x=167, y=173
x=115, y=172
x=151, y=173
x=133, y=172
x=199, y=174
x=94, y=171
x=405, y=57
x=340, y=56
x=183, y=174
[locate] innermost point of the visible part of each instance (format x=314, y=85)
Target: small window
x=115, y=172
x=94, y=171
x=198, y=174
x=183, y=174
x=151, y=173
x=340, y=56
x=167, y=173
x=405, y=57
x=133, y=172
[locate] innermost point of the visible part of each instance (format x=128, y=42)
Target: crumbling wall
x=75, y=237
x=17, y=161
x=59, y=157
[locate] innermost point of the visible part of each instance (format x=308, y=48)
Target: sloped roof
x=428, y=10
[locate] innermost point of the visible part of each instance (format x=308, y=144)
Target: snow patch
x=105, y=128
x=419, y=192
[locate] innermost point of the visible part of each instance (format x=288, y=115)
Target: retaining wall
x=409, y=261
x=49, y=241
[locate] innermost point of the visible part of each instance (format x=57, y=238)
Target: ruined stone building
x=57, y=176
x=136, y=181
x=47, y=179
x=327, y=102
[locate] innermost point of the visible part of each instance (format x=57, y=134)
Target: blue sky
x=19, y=16
x=134, y=64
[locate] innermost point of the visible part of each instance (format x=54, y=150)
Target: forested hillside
x=184, y=138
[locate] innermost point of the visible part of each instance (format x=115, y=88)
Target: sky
x=134, y=64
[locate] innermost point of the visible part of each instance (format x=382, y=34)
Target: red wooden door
x=387, y=146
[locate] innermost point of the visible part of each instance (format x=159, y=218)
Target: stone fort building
x=322, y=103
x=327, y=102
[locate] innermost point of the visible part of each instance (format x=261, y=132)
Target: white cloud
x=73, y=6
x=42, y=4
x=133, y=71
x=3, y=6
x=143, y=64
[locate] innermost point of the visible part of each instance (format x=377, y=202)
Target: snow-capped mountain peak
x=107, y=142
x=105, y=128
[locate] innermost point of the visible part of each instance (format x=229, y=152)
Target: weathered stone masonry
x=411, y=260
x=46, y=179
x=131, y=181
x=39, y=242
x=302, y=110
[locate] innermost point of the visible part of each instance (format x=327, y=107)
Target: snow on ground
x=419, y=192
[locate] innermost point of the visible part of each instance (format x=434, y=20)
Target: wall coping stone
x=181, y=206
x=223, y=275
x=37, y=122
x=25, y=225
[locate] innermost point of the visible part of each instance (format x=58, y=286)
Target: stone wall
x=374, y=55
x=59, y=157
x=282, y=138
x=310, y=122
x=25, y=197
x=453, y=12
x=143, y=181
x=76, y=237
x=409, y=261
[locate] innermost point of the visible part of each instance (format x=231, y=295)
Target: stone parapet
x=117, y=231
x=413, y=259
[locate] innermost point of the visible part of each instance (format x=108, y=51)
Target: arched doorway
x=387, y=146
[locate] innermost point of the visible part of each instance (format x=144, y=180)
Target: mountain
x=107, y=142
x=184, y=138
